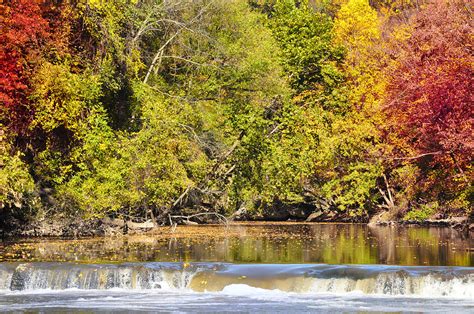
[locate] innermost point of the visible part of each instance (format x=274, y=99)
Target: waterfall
x=340, y=279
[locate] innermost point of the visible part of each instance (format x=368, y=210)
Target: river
x=253, y=267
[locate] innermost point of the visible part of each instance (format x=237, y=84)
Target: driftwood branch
x=221, y=218
x=238, y=212
x=173, y=225
x=388, y=198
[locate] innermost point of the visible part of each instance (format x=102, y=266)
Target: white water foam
x=394, y=285
x=246, y=290
x=352, y=280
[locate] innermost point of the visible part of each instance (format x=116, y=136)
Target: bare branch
x=157, y=55
x=392, y=202
x=180, y=198
x=190, y=61
x=161, y=49
x=416, y=157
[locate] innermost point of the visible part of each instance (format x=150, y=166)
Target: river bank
x=60, y=226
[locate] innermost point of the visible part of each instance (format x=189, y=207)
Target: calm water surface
x=262, y=243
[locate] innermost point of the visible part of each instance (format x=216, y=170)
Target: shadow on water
x=261, y=243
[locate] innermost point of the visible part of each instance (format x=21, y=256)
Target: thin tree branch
x=222, y=218
x=418, y=156
x=159, y=52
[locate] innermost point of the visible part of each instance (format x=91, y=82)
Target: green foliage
x=145, y=169
x=305, y=37
x=354, y=189
x=423, y=212
x=293, y=129
x=17, y=188
x=323, y=138
x=66, y=106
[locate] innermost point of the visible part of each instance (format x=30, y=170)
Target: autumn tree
x=354, y=141
x=429, y=102
x=23, y=31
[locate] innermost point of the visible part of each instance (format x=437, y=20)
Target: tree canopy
x=151, y=108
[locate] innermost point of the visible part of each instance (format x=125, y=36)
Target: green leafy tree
x=18, y=193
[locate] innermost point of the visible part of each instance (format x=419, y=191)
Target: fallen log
x=140, y=225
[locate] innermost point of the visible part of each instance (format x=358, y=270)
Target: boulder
x=19, y=277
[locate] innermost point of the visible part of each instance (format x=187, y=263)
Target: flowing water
x=244, y=268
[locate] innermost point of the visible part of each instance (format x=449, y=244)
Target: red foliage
x=430, y=97
x=23, y=31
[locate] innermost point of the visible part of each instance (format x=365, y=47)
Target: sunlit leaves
x=17, y=188
x=62, y=97
x=305, y=39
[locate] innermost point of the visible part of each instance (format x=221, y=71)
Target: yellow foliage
x=101, y=4
x=356, y=24
x=357, y=27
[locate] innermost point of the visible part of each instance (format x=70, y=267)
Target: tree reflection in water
x=261, y=243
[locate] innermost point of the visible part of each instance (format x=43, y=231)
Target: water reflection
x=263, y=243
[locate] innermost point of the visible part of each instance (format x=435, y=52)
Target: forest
x=155, y=110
